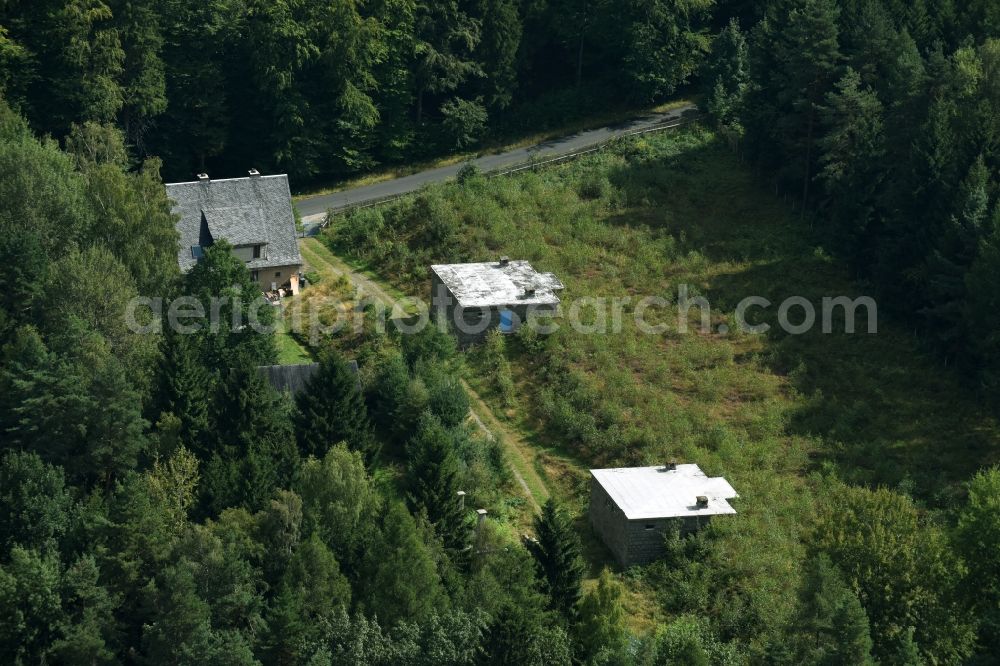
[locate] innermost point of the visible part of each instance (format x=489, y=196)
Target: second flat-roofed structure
x=630, y=507
x=478, y=297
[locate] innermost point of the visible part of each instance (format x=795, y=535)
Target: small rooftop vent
x=701, y=501
x=671, y=464
x=529, y=292
x=203, y=178
x=254, y=173
x=504, y=261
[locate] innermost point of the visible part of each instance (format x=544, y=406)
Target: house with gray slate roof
x=253, y=214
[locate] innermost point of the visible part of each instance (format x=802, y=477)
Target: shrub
x=468, y=172
x=464, y=122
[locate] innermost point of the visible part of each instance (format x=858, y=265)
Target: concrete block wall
x=632, y=542
x=478, y=321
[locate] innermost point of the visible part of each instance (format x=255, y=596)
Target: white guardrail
x=524, y=166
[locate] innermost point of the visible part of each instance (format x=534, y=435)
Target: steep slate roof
x=491, y=284
x=240, y=225
x=658, y=492
x=244, y=211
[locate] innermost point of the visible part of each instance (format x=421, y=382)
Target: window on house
x=256, y=251
x=253, y=275
x=277, y=274
x=197, y=251
x=650, y=526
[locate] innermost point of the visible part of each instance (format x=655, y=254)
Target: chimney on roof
x=480, y=519
x=671, y=464
x=504, y=261
x=461, y=499
x=254, y=173
x=529, y=291
x=701, y=501
x=203, y=178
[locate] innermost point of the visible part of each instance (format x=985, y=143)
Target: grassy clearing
x=290, y=352
x=519, y=454
x=772, y=413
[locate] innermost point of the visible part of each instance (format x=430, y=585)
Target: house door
x=506, y=320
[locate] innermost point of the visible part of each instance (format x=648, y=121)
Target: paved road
x=315, y=206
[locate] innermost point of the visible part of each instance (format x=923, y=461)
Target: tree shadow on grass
x=884, y=410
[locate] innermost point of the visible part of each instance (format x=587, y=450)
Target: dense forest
x=160, y=502
x=322, y=88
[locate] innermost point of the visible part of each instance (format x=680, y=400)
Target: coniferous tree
x=445, y=38
x=35, y=504
x=978, y=541
x=832, y=624
x=557, y=554
x=725, y=77
x=76, y=411
x=446, y=397
x=331, y=409
x=498, y=50
x=254, y=442
x=143, y=78
x=797, y=62
x=387, y=397
x=601, y=624
x=954, y=253
x=185, y=389
x=982, y=308
x=401, y=579
x=433, y=473
x=196, y=127
x=851, y=156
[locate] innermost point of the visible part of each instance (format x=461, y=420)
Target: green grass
x=290, y=352
x=768, y=412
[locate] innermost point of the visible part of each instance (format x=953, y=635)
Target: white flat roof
x=656, y=492
x=489, y=284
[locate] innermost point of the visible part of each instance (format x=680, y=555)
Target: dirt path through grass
x=329, y=265
x=514, y=445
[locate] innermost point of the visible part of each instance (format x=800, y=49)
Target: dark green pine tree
x=80, y=412
x=184, y=389
x=725, y=77
x=851, y=159
x=143, y=76
x=433, y=473
x=983, y=307
x=331, y=409
x=255, y=442
x=387, y=398
x=400, y=579
x=831, y=623
x=35, y=505
x=955, y=251
x=796, y=63
x=558, y=556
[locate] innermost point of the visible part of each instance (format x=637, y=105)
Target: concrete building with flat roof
x=478, y=297
x=631, y=507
